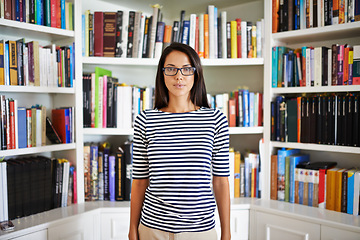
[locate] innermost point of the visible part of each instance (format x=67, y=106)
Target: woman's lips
x=179, y=85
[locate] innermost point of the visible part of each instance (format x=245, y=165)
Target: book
x=51, y=132
x=109, y=34
x=98, y=34
x=292, y=162
x=273, y=176
x=282, y=154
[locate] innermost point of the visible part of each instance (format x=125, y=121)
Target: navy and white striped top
x=178, y=152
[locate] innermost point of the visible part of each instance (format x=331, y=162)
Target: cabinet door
x=331, y=233
x=39, y=235
x=115, y=225
x=239, y=223
x=273, y=227
x=78, y=228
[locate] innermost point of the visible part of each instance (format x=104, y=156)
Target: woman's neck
x=180, y=106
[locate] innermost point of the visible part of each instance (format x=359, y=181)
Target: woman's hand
x=133, y=234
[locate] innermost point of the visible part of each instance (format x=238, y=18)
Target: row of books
x=29, y=64
x=51, y=13
x=296, y=179
x=131, y=34
x=107, y=174
x=319, y=66
x=35, y=184
x=244, y=174
x=325, y=119
x=290, y=15
x=28, y=127
x=109, y=104
x=241, y=107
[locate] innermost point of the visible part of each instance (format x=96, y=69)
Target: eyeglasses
x=172, y=71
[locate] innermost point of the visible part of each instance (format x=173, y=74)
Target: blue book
x=39, y=12
x=290, y=70
x=310, y=182
x=185, y=32
x=83, y=34
x=112, y=178
x=246, y=108
x=282, y=51
x=6, y=64
x=296, y=13
x=63, y=20
x=17, y=10
x=275, y=56
x=72, y=62
x=67, y=124
x=247, y=177
x=294, y=160
x=350, y=191
x=251, y=109
x=22, y=127
x=301, y=185
x=160, y=30
x=282, y=154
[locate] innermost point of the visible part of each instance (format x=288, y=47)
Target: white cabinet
x=39, y=235
x=81, y=227
x=115, y=225
x=331, y=233
x=239, y=224
x=274, y=227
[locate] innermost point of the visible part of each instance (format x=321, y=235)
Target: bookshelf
x=142, y=71
x=345, y=156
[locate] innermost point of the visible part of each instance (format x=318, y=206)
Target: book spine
x=98, y=34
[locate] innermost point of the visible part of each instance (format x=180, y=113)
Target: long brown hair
x=198, y=92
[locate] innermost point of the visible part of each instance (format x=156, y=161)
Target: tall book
x=99, y=34
x=109, y=31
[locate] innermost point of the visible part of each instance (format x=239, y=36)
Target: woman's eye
x=170, y=69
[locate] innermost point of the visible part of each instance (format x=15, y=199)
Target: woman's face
x=178, y=85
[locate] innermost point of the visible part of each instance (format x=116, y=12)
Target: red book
x=238, y=34
x=109, y=34
x=12, y=124
x=58, y=13
x=7, y=9
x=275, y=15
x=74, y=187
x=232, y=113
x=53, y=12
x=99, y=34
x=346, y=66
x=197, y=35
x=58, y=120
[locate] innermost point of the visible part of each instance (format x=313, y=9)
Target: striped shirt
x=179, y=152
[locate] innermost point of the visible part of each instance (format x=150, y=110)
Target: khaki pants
x=146, y=233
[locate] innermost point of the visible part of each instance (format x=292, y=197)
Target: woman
x=180, y=148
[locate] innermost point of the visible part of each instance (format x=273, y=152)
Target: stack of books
x=131, y=34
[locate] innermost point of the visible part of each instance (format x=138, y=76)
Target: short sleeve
x=140, y=167
x=220, y=156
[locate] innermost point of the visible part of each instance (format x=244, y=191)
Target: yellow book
x=237, y=174
x=330, y=188
x=87, y=40
x=233, y=31
x=36, y=63
x=2, y=61
x=206, y=36
x=253, y=41
x=13, y=63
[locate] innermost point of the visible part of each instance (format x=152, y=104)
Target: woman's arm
x=137, y=198
x=222, y=197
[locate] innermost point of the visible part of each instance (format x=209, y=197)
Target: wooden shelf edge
x=289, y=90
x=36, y=28
x=33, y=150
x=317, y=147
x=34, y=89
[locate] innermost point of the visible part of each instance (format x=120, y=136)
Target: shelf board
x=33, y=89
x=10, y=27
x=317, y=147
x=289, y=90
x=346, y=30
x=108, y=131
x=246, y=130
x=116, y=131
x=33, y=150
x=155, y=61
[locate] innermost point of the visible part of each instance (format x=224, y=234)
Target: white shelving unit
x=37, y=150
